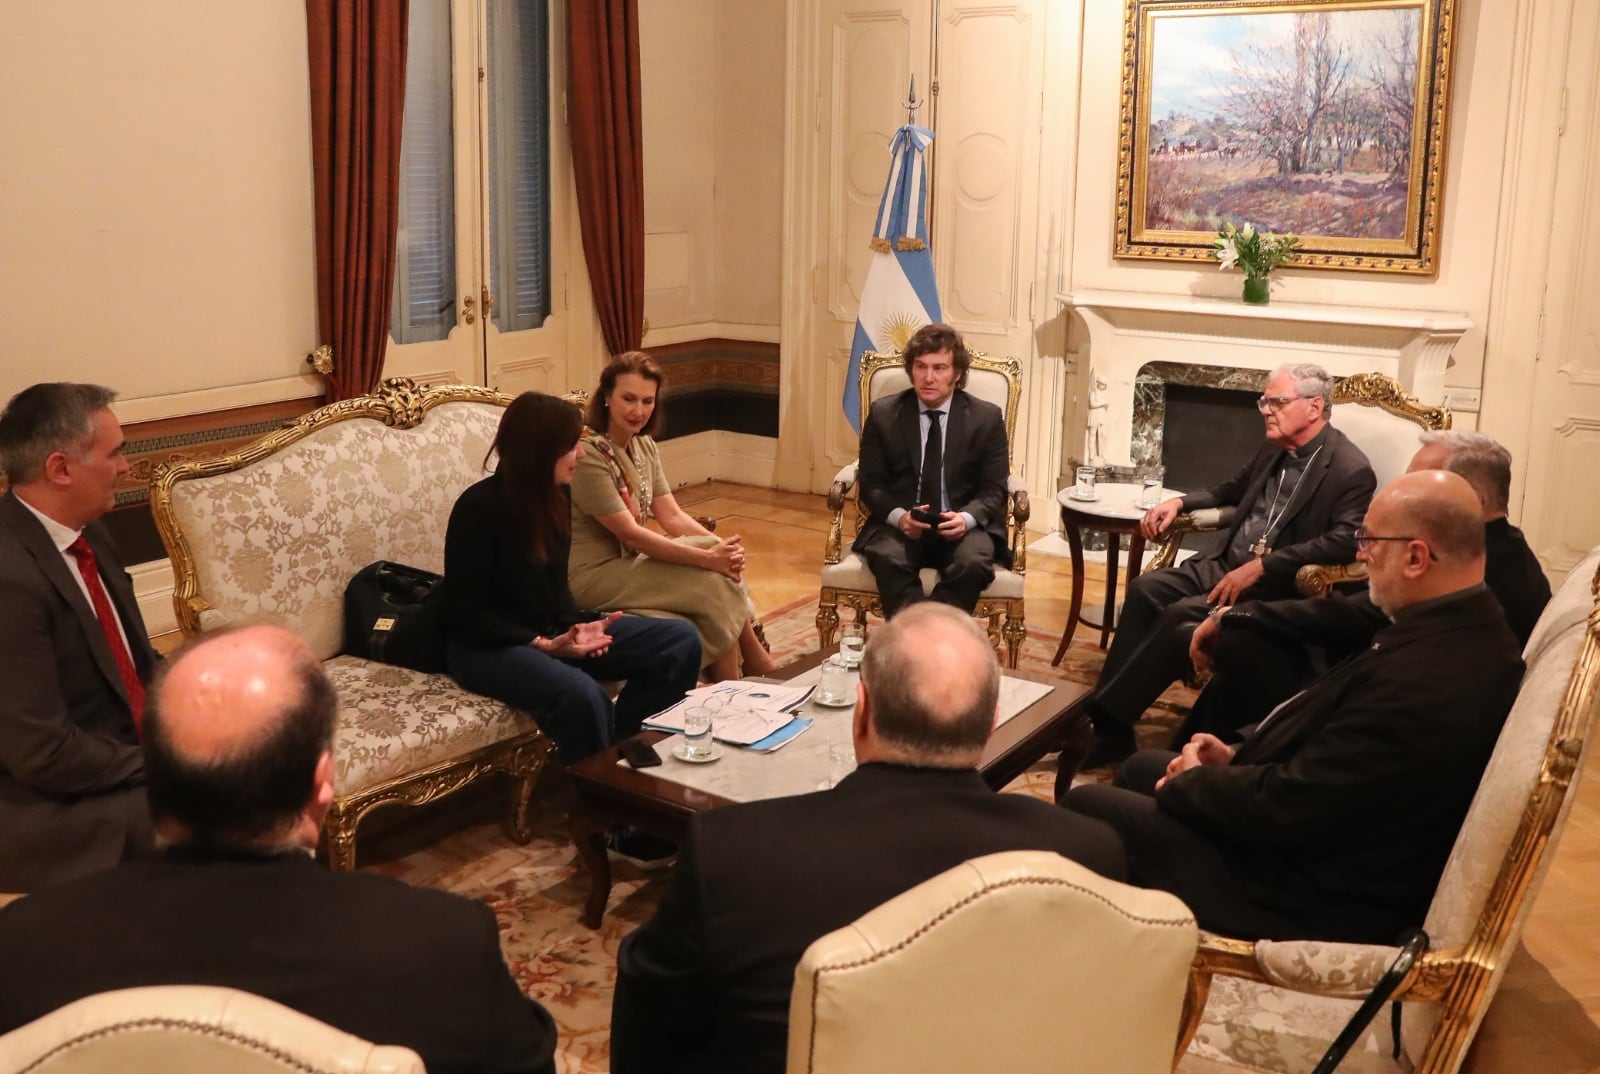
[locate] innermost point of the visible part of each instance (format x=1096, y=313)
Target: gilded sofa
x=273, y=532
x=1276, y=1005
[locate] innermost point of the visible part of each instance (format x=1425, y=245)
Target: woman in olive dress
x=619, y=563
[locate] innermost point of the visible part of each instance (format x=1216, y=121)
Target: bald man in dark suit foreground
x=74, y=653
x=704, y=986
x=238, y=749
x=1333, y=820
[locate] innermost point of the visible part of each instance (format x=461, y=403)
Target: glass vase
x=1257, y=290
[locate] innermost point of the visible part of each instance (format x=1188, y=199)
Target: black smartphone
x=638, y=753
x=926, y=517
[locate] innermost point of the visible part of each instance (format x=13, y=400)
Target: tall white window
x=478, y=288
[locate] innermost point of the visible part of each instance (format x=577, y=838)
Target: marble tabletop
x=1113, y=499
x=801, y=766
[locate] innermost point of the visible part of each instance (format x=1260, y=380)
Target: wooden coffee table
x=610, y=793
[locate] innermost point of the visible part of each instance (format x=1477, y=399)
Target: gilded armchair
x=846, y=579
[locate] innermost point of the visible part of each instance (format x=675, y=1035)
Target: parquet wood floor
x=1546, y=1016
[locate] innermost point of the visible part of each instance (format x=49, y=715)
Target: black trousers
x=1169, y=855
x=1150, y=649
x=966, y=567
x=1252, y=674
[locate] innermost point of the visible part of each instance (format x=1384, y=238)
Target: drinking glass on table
x=697, y=731
x=852, y=642
x=1083, y=487
x=833, y=686
x=1150, y=479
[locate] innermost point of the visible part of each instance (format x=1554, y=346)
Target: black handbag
x=392, y=615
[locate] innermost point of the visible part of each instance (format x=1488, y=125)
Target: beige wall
x=712, y=74
x=155, y=201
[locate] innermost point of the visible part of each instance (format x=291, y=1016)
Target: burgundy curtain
x=608, y=161
x=358, y=89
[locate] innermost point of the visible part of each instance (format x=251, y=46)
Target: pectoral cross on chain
x=1260, y=547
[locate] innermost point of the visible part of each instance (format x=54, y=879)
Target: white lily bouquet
x=1258, y=253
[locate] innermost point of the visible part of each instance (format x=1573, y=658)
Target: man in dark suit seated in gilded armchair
x=1298, y=501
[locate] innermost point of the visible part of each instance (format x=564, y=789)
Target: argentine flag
x=899, y=295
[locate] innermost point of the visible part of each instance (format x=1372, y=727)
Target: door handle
x=469, y=310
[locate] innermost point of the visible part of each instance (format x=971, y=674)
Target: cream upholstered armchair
x=1375, y=412
x=192, y=1029
x=846, y=579
x=1275, y=1005
x=1014, y=961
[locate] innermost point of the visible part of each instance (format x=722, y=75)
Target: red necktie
x=80, y=551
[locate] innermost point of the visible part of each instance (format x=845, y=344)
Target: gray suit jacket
x=71, y=775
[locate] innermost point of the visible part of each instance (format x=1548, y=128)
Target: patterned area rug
x=537, y=891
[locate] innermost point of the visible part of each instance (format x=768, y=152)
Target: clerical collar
x=1423, y=607
x=1310, y=447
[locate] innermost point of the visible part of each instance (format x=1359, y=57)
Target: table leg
x=1135, y=557
x=589, y=836
x=1075, y=545
x=1113, y=550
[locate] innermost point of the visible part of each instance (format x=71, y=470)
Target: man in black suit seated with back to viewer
x=237, y=738
x=1298, y=501
x=1260, y=652
x=1333, y=820
x=704, y=986
x=933, y=448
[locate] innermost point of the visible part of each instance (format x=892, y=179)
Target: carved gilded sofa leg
x=339, y=832
x=527, y=766
x=1194, y=1005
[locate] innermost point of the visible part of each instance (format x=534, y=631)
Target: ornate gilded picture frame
x=1325, y=118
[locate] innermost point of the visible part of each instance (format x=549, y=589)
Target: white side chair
x=1014, y=961
x=192, y=1029
x=846, y=579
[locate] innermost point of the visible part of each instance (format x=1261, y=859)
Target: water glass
x=697, y=732
x=1150, y=480
x=852, y=642
x=841, y=762
x=1084, y=489
x=833, y=688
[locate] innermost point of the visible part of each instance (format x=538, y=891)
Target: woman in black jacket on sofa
x=514, y=631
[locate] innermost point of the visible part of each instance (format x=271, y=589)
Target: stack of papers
x=756, y=715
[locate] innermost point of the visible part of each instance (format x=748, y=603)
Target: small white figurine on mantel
x=1094, y=434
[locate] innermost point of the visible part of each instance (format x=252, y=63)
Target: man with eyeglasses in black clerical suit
x=1298, y=501
x=1334, y=818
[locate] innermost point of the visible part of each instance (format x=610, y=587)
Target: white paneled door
x=1560, y=510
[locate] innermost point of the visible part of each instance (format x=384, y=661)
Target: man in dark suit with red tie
x=933, y=450
x=74, y=654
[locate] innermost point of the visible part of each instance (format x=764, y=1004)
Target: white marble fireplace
x=1230, y=344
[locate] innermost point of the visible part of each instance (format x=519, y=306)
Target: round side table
x=1116, y=511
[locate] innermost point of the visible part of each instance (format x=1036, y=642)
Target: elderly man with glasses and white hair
x=1298, y=501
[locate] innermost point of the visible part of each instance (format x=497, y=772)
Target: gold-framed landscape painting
x=1325, y=118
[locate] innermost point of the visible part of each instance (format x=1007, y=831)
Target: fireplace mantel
x=1128, y=329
